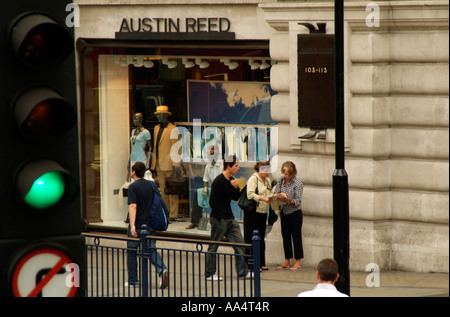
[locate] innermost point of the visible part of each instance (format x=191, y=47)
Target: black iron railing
x=185, y=261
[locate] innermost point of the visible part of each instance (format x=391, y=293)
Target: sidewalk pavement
x=286, y=283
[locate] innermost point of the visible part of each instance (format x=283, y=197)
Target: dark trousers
x=291, y=231
x=196, y=213
x=256, y=221
x=231, y=230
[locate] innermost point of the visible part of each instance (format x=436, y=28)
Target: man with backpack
x=140, y=201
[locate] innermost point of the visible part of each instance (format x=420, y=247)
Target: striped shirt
x=294, y=191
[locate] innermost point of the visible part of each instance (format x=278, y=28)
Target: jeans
x=230, y=229
x=155, y=258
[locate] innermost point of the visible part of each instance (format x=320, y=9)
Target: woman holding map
x=289, y=191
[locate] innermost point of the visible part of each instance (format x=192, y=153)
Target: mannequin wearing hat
x=161, y=161
x=139, y=143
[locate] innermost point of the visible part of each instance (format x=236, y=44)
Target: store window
x=216, y=96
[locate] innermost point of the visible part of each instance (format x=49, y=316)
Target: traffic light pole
x=42, y=251
x=340, y=178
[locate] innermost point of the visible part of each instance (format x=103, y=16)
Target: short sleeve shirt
x=140, y=192
x=138, y=143
x=212, y=171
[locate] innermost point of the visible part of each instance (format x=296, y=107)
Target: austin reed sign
x=175, y=25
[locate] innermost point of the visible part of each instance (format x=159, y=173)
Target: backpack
x=159, y=214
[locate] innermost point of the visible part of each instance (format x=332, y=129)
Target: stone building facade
x=396, y=77
x=396, y=132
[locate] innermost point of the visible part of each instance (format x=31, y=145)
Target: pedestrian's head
x=213, y=149
x=288, y=169
x=139, y=169
x=327, y=270
x=213, y=153
x=230, y=163
x=262, y=167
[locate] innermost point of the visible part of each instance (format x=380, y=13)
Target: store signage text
x=177, y=25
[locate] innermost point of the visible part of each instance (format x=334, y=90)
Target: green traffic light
x=46, y=191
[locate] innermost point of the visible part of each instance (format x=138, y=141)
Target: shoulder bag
x=247, y=204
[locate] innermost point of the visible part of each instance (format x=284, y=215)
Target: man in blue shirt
x=140, y=199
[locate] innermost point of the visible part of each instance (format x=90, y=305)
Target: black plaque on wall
x=316, y=80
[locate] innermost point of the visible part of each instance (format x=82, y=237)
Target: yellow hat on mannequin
x=162, y=109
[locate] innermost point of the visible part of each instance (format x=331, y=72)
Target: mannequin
x=139, y=143
x=161, y=161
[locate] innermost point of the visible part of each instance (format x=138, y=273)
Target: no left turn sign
x=45, y=272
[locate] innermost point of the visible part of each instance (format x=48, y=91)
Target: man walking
x=224, y=189
x=140, y=199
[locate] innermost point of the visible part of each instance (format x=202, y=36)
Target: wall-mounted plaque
x=316, y=80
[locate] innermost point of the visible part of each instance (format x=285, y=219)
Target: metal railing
x=185, y=259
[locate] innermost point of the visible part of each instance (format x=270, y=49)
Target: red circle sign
x=44, y=272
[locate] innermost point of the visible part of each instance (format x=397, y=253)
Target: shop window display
x=120, y=96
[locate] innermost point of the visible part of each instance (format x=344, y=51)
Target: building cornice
x=397, y=15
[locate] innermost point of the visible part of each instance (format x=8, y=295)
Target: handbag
x=247, y=204
x=176, y=185
x=272, y=217
x=202, y=201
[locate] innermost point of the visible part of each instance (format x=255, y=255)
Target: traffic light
x=40, y=208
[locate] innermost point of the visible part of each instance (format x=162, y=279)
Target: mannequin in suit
x=161, y=161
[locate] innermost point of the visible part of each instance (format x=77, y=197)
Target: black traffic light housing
x=37, y=39
x=39, y=160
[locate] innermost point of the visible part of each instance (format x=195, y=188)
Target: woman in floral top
x=290, y=190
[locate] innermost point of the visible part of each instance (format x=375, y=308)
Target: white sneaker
x=249, y=275
x=214, y=278
x=136, y=284
x=164, y=280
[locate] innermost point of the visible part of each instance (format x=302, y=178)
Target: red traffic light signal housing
x=37, y=39
x=42, y=113
x=39, y=165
